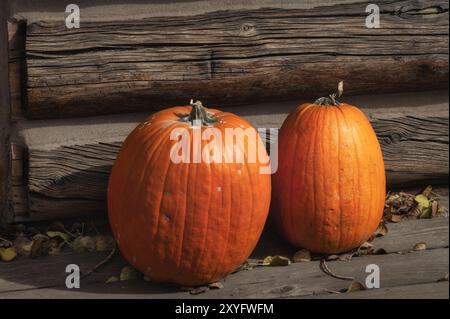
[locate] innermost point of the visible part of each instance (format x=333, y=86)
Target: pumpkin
x=187, y=222
x=329, y=189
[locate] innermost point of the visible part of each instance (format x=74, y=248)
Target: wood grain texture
x=17, y=67
x=45, y=276
x=234, y=57
x=402, y=236
x=4, y=116
x=418, y=291
x=68, y=174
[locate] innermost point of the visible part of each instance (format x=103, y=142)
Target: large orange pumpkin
x=186, y=223
x=329, y=190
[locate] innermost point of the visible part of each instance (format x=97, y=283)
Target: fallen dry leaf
x=355, y=286
x=332, y=257
x=348, y=256
x=434, y=208
x=22, y=244
x=303, y=255
x=128, y=273
x=427, y=191
x=216, y=285
x=58, y=234
x=423, y=205
x=40, y=247
x=103, y=243
x=244, y=266
x=276, y=261
x=382, y=230
x=112, y=279
x=83, y=244
x=26, y=248
x=366, y=245
x=420, y=247
x=395, y=218
x=445, y=278
x=8, y=254
x=198, y=290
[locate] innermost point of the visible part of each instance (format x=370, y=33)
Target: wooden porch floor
x=404, y=273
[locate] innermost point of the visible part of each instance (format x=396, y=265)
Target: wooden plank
x=401, y=238
x=438, y=290
x=434, y=232
x=69, y=160
x=307, y=278
x=17, y=67
x=94, y=10
x=45, y=278
x=17, y=164
x=4, y=116
x=235, y=57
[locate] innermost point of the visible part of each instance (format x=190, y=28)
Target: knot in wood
x=247, y=28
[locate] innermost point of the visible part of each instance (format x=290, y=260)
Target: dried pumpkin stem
x=199, y=116
x=331, y=100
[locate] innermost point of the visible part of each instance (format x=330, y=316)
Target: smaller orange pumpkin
x=329, y=190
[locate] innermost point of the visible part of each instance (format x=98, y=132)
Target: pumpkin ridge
x=225, y=247
x=247, y=168
x=339, y=114
x=184, y=210
x=373, y=181
x=338, y=135
x=196, y=266
x=148, y=171
x=356, y=221
x=378, y=168
x=291, y=227
x=283, y=214
x=315, y=184
x=365, y=219
x=320, y=172
x=156, y=240
x=137, y=158
x=138, y=155
x=340, y=117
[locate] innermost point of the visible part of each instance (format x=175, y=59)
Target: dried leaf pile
x=401, y=205
x=20, y=241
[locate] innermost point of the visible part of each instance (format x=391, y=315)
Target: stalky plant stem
x=199, y=116
x=332, y=98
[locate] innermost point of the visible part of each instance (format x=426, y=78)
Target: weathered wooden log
x=4, y=115
x=17, y=67
x=234, y=57
x=69, y=160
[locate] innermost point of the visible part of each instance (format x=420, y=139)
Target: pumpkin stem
x=198, y=115
x=331, y=99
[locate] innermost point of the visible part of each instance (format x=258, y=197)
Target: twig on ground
x=100, y=264
x=326, y=270
x=6, y=241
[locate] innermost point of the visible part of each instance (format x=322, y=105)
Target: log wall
x=68, y=168
x=258, y=59
x=4, y=115
x=234, y=57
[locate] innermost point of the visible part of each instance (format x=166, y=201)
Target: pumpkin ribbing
x=186, y=223
x=329, y=190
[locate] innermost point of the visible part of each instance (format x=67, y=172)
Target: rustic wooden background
x=76, y=94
